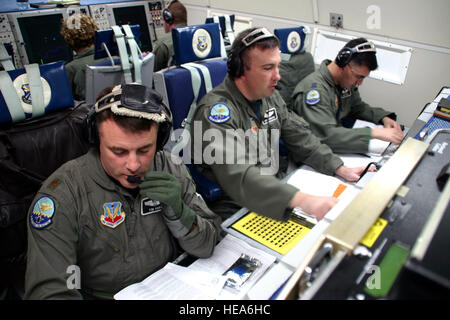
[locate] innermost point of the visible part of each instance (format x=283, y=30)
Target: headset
x=235, y=67
x=167, y=15
x=133, y=100
x=346, y=54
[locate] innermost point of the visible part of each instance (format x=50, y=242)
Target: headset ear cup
x=163, y=135
x=164, y=128
x=91, y=127
x=168, y=16
x=234, y=65
x=344, y=56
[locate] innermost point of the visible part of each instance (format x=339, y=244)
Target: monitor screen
x=42, y=40
x=132, y=15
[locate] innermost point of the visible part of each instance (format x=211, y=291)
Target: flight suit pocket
x=100, y=257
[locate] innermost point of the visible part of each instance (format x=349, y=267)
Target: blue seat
x=296, y=62
x=200, y=45
x=180, y=100
x=226, y=25
x=292, y=40
x=110, y=72
x=34, y=91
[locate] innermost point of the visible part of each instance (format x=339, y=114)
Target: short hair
x=368, y=59
x=242, y=50
x=179, y=12
x=79, y=31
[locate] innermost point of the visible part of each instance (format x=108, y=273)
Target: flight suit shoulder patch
x=42, y=213
x=312, y=97
x=219, y=113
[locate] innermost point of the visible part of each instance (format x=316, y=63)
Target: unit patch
x=219, y=113
x=270, y=115
x=312, y=97
x=293, y=41
x=22, y=86
x=113, y=214
x=43, y=210
x=149, y=206
x=201, y=43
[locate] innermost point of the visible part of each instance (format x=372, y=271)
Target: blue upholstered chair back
x=201, y=45
x=175, y=83
x=292, y=40
x=17, y=92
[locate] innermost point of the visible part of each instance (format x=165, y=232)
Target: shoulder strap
x=11, y=98
x=118, y=35
x=134, y=48
x=228, y=29
x=5, y=59
x=36, y=90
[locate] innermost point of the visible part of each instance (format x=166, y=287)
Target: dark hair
x=368, y=59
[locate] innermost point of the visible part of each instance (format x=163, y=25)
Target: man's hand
x=165, y=188
x=392, y=131
x=352, y=174
x=313, y=205
x=394, y=135
x=390, y=123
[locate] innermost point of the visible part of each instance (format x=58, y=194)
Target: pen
x=367, y=169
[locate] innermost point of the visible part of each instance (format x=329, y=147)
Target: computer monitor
x=38, y=36
x=132, y=13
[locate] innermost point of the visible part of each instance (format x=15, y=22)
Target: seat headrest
x=196, y=43
x=107, y=37
x=223, y=27
x=292, y=40
x=32, y=92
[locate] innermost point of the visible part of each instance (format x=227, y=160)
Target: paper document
x=203, y=279
x=225, y=254
x=376, y=146
x=174, y=282
x=318, y=184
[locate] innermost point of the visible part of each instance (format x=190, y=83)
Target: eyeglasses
x=358, y=76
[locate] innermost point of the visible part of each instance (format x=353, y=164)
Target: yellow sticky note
x=374, y=232
x=276, y=235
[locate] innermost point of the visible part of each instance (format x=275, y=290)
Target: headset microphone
x=134, y=179
x=278, y=86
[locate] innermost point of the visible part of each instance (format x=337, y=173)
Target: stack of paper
x=203, y=279
x=376, y=146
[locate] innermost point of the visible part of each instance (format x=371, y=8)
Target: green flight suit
x=163, y=49
x=292, y=71
x=244, y=183
x=112, y=251
x=76, y=71
x=324, y=105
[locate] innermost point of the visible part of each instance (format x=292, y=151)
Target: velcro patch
x=42, y=213
x=219, y=113
x=312, y=97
